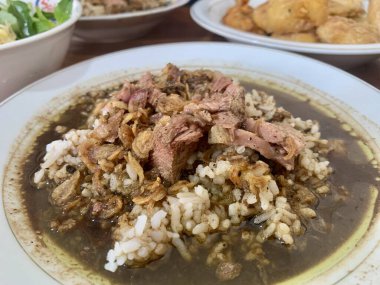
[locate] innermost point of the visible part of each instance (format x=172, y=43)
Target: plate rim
x=135, y=14
x=285, y=52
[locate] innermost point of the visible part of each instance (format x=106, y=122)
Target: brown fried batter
x=340, y=30
x=327, y=21
x=374, y=14
x=345, y=8
x=290, y=16
x=241, y=17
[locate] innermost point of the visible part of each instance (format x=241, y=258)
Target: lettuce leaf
x=25, y=23
x=62, y=11
x=8, y=19
x=21, y=12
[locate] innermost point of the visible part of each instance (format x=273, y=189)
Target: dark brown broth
x=89, y=244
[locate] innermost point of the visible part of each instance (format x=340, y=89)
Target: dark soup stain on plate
x=339, y=213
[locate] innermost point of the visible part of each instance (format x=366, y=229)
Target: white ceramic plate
x=358, y=260
x=123, y=26
x=209, y=14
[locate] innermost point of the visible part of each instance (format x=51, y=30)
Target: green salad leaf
x=41, y=22
x=21, y=12
x=49, y=15
x=63, y=10
x=8, y=19
x=25, y=23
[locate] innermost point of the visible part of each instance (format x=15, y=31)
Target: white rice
x=182, y=249
x=140, y=225
x=240, y=149
x=200, y=228
x=54, y=151
x=131, y=172
x=157, y=218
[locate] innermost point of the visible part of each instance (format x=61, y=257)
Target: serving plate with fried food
x=344, y=33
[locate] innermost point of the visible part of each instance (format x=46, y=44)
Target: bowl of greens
x=34, y=39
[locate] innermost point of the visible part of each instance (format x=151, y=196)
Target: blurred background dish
x=209, y=15
x=118, y=27
x=323, y=21
x=28, y=59
x=109, y=7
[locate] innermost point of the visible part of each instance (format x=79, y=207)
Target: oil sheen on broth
x=339, y=214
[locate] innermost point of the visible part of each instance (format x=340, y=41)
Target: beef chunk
x=174, y=143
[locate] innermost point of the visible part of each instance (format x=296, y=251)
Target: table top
x=172, y=30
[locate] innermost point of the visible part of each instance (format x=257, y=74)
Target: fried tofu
x=241, y=17
x=340, y=30
x=312, y=21
x=345, y=8
x=374, y=14
x=290, y=16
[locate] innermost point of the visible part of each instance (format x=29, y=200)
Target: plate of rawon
x=212, y=158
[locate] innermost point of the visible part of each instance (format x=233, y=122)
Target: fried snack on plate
x=307, y=37
x=290, y=16
x=340, y=30
x=345, y=8
x=374, y=14
x=240, y=17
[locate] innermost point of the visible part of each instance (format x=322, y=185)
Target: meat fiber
x=232, y=99
x=269, y=151
x=218, y=113
x=174, y=143
x=280, y=143
x=283, y=135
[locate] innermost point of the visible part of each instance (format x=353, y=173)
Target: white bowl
x=123, y=26
x=24, y=61
x=209, y=13
x=355, y=261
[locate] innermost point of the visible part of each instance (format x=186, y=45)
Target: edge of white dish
x=202, y=9
x=169, y=7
